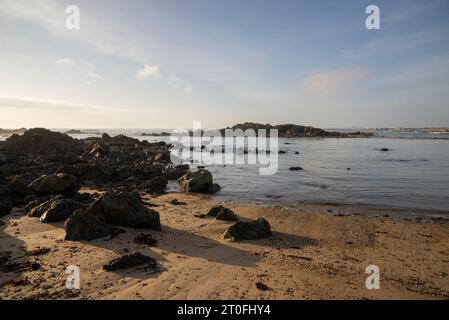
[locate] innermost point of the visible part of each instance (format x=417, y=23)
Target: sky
x=166, y=63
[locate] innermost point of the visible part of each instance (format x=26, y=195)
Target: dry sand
x=312, y=254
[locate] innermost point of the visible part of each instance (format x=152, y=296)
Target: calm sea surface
x=414, y=174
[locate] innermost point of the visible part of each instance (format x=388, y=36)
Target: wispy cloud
x=38, y=103
x=66, y=62
x=147, y=72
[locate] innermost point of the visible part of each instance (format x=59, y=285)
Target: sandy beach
x=315, y=252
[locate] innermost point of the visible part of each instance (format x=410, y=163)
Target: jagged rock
x=43, y=142
x=60, y=210
x=131, y=261
x=18, y=185
x=162, y=156
x=55, y=184
x=175, y=172
x=96, y=173
x=198, y=181
x=243, y=230
x=83, y=225
x=222, y=213
x=155, y=184
x=37, y=208
x=126, y=210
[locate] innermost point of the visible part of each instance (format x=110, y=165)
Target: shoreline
x=309, y=256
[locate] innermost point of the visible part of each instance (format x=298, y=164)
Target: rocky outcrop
x=44, y=143
x=83, y=225
x=198, y=181
x=59, y=210
x=297, y=131
x=54, y=184
x=244, y=230
x=222, y=213
x=126, y=210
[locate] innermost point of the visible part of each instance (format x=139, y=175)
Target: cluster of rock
x=241, y=230
x=41, y=163
x=297, y=131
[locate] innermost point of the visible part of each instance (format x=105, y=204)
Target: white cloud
x=38, y=103
x=331, y=82
x=147, y=71
x=189, y=88
x=66, y=62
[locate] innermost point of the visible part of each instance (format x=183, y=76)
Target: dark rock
x=18, y=185
x=60, y=210
x=145, y=239
x=175, y=172
x=243, y=230
x=37, y=208
x=44, y=143
x=126, y=210
x=156, y=185
x=83, y=225
x=176, y=202
x=295, y=169
x=198, y=181
x=214, y=188
x=55, y=184
x=2, y=223
x=131, y=261
x=222, y=213
x=261, y=286
x=384, y=149
x=6, y=202
x=297, y=131
x=282, y=152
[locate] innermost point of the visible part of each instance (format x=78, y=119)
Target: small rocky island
x=298, y=131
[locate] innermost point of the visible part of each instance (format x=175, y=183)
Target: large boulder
x=60, y=210
x=55, y=184
x=42, y=142
x=83, y=225
x=222, y=213
x=248, y=230
x=198, y=181
x=126, y=210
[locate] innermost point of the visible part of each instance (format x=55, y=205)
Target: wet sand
x=315, y=252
